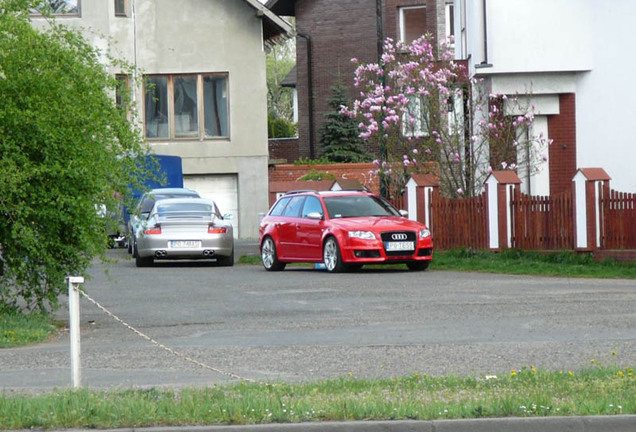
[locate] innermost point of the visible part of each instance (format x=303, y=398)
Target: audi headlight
x=365, y=235
x=424, y=234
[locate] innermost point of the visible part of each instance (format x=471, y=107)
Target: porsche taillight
x=153, y=230
x=216, y=230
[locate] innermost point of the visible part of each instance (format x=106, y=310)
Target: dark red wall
x=562, y=153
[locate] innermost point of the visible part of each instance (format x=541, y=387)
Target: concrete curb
x=622, y=423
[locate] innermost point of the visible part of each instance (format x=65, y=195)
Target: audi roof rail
x=299, y=191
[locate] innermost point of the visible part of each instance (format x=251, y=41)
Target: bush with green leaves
x=64, y=155
x=315, y=175
x=280, y=128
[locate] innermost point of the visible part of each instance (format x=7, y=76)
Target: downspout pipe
x=383, y=156
x=310, y=94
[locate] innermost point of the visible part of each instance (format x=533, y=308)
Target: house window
x=121, y=8
x=450, y=20
x=186, y=106
x=57, y=7
x=412, y=23
x=415, y=119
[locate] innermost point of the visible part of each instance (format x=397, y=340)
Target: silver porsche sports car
x=184, y=228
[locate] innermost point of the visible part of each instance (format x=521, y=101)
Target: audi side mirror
x=404, y=213
x=314, y=215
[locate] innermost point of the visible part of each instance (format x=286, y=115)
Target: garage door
x=223, y=189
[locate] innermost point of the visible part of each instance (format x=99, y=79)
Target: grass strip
x=522, y=393
x=514, y=261
x=518, y=262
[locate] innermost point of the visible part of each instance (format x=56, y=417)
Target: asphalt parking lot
x=305, y=324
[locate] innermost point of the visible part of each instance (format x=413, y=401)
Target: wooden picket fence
x=618, y=220
x=542, y=222
x=537, y=222
x=459, y=223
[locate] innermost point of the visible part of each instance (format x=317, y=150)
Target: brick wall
x=338, y=31
x=283, y=148
x=357, y=171
x=562, y=153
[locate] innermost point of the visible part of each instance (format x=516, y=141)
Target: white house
x=571, y=57
x=207, y=103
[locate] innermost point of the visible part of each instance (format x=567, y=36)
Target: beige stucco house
x=207, y=102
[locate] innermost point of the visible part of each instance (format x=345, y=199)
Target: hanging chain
x=170, y=350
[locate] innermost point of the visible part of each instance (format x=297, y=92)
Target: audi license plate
x=183, y=244
x=399, y=246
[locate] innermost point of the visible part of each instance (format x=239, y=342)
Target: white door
x=222, y=188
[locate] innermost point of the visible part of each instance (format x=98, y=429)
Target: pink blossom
x=460, y=191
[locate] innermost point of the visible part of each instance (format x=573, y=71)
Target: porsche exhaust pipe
x=160, y=254
x=208, y=252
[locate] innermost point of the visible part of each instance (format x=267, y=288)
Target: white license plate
x=182, y=244
x=400, y=246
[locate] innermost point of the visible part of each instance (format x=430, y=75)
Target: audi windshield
x=358, y=206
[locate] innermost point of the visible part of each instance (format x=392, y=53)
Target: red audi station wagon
x=342, y=229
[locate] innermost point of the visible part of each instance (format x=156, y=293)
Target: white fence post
x=589, y=184
x=74, y=324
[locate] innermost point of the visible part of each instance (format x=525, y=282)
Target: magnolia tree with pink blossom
x=425, y=116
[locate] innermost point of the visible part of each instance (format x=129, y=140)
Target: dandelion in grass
x=513, y=373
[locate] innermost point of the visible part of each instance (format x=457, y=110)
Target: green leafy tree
x=64, y=155
x=339, y=133
x=279, y=61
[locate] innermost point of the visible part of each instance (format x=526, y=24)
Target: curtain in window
x=156, y=107
x=185, y=107
x=215, y=105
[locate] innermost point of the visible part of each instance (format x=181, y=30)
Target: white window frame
x=419, y=128
x=401, y=20
x=449, y=19
x=78, y=5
